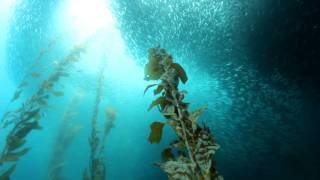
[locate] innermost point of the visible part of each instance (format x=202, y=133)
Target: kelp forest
x=189, y=156
x=159, y=89
x=24, y=115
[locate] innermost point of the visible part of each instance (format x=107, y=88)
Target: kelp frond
x=67, y=131
x=97, y=167
x=26, y=118
x=195, y=144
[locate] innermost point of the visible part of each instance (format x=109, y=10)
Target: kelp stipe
x=67, y=131
x=26, y=118
x=97, y=167
x=189, y=157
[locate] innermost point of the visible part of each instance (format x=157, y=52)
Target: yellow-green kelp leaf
x=167, y=154
x=162, y=101
x=153, y=70
x=6, y=174
x=156, y=132
x=181, y=72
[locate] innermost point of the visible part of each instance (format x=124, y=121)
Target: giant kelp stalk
x=191, y=155
x=67, y=131
x=26, y=118
x=97, y=168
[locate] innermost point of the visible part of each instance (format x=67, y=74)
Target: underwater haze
x=254, y=63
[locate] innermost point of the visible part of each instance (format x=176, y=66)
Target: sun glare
x=93, y=18
x=88, y=16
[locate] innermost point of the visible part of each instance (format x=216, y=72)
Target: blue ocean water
x=265, y=121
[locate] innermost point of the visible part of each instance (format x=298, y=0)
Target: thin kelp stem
x=26, y=118
x=195, y=146
x=97, y=140
x=97, y=169
x=67, y=131
x=180, y=119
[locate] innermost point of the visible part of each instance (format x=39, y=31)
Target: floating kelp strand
x=67, y=131
x=96, y=169
x=24, y=83
x=27, y=119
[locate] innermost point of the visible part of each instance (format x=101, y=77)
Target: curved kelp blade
x=181, y=72
x=148, y=87
x=162, y=101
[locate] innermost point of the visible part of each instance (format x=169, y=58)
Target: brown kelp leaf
x=57, y=93
x=6, y=174
x=158, y=90
x=148, y=87
x=181, y=72
x=16, y=95
x=26, y=129
x=15, y=143
x=167, y=154
x=31, y=114
x=35, y=74
x=14, y=156
x=156, y=132
x=162, y=101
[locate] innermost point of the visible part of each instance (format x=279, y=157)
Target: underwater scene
x=159, y=89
